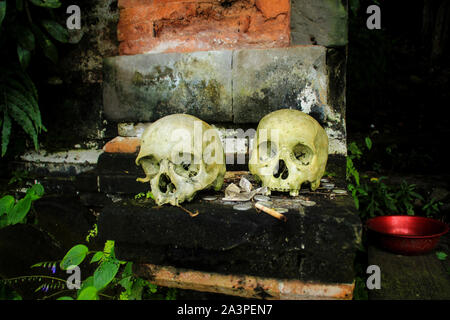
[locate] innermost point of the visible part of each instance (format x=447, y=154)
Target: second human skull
x=290, y=148
x=181, y=155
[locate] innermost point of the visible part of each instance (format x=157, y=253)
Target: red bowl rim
x=436, y=235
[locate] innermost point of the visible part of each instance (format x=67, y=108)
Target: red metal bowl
x=407, y=235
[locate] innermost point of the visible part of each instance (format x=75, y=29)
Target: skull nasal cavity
x=282, y=171
x=165, y=184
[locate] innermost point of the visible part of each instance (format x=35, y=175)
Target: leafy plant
x=106, y=276
x=25, y=27
x=374, y=197
x=18, y=102
x=13, y=212
x=112, y=278
x=432, y=208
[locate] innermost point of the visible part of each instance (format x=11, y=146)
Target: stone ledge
x=316, y=244
x=242, y=285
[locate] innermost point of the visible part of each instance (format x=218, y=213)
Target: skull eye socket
x=150, y=165
x=186, y=166
x=267, y=150
x=302, y=154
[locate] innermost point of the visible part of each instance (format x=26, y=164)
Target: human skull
x=290, y=148
x=181, y=155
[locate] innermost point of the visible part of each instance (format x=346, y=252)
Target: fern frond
x=26, y=105
x=26, y=91
x=6, y=131
x=24, y=121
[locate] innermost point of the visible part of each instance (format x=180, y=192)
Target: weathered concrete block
x=272, y=79
x=315, y=244
x=148, y=87
x=322, y=22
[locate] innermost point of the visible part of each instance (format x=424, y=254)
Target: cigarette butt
x=271, y=212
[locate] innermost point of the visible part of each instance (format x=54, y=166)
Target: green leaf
x=46, y=3
x=27, y=91
x=36, y=191
x=25, y=104
x=24, y=121
x=19, y=211
x=65, y=298
x=28, y=83
x=6, y=132
x=88, y=282
x=2, y=11
x=3, y=221
x=88, y=293
x=108, y=249
x=25, y=37
x=46, y=44
x=24, y=56
x=105, y=273
x=74, y=256
x=6, y=204
x=368, y=143
x=97, y=256
x=57, y=31
x=441, y=255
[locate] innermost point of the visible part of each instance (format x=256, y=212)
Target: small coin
x=307, y=203
x=209, y=198
x=243, y=207
x=324, y=180
x=328, y=186
x=229, y=203
x=281, y=210
x=260, y=197
x=339, y=191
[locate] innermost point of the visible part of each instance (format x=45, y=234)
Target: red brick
x=134, y=15
x=139, y=3
x=123, y=145
x=271, y=8
x=134, y=3
x=191, y=25
x=135, y=31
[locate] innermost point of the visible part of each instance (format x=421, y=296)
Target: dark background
x=398, y=85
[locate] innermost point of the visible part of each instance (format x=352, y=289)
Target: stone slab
x=322, y=22
x=149, y=86
x=315, y=244
x=271, y=79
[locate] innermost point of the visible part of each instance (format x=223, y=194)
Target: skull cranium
x=181, y=155
x=290, y=148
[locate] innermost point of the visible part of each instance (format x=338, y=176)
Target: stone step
x=317, y=244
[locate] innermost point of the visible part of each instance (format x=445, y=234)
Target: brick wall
x=200, y=25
